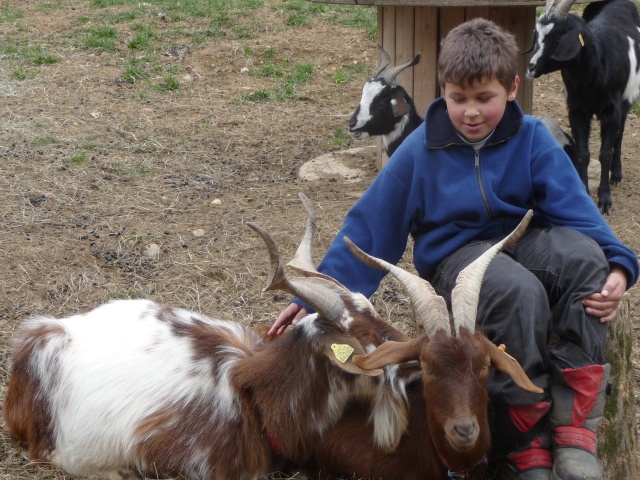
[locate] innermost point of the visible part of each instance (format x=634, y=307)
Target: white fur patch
x=396, y=132
x=370, y=91
x=632, y=90
x=120, y=363
x=542, y=30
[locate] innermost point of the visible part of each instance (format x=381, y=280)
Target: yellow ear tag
x=342, y=351
x=581, y=39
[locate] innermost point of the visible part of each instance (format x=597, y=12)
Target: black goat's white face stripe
x=542, y=31
x=370, y=91
x=632, y=90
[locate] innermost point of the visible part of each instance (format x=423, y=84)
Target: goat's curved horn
x=319, y=293
x=302, y=262
x=562, y=10
x=429, y=309
x=548, y=6
x=389, y=74
x=465, y=295
x=385, y=60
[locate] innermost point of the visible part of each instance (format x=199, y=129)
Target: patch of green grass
x=78, y=159
x=38, y=56
x=125, y=294
x=269, y=53
x=9, y=14
x=19, y=73
x=134, y=170
x=635, y=108
x=125, y=17
x=45, y=140
x=134, y=71
x=340, y=138
x=169, y=84
x=259, y=96
x=48, y=6
x=340, y=76
x=300, y=74
x=102, y=38
x=108, y=3
x=139, y=42
x=8, y=46
x=266, y=70
x=297, y=19
x=358, y=16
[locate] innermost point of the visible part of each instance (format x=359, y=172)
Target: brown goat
x=133, y=387
x=448, y=432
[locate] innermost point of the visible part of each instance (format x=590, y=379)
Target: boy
x=460, y=182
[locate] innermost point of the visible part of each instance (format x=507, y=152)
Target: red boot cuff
x=575, y=437
x=534, y=457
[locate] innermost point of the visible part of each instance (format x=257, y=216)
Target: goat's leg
x=609, y=128
x=580, y=122
x=616, y=161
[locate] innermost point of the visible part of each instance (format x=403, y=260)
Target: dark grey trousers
x=529, y=291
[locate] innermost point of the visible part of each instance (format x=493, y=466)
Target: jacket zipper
x=482, y=192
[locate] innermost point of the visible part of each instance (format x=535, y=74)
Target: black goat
x=598, y=56
x=385, y=108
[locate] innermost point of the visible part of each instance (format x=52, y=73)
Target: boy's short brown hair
x=476, y=49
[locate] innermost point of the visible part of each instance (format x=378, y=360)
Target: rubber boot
x=530, y=458
x=578, y=403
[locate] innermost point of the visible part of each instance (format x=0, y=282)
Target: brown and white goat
x=448, y=433
x=136, y=387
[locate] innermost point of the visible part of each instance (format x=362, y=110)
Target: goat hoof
x=604, y=204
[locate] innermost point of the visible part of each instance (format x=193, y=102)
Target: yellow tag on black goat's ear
x=581, y=39
x=342, y=351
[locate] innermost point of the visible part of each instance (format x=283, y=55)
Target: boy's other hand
x=289, y=316
x=604, y=304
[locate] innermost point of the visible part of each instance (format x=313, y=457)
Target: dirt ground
x=157, y=206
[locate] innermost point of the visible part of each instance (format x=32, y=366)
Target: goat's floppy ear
x=391, y=352
x=507, y=364
x=568, y=47
x=341, y=350
x=399, y=105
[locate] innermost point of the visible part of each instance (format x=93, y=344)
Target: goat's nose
x=465, y=430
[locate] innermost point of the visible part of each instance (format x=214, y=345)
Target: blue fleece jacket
x=444, y=194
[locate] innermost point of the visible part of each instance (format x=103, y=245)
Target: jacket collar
x=441, y=134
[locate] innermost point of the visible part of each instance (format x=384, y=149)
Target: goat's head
x=558, y=39
x=455, y=360
x=382, y=100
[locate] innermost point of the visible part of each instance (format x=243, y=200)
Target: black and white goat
x=133, y=386
x=385, y=109
x=598, y=56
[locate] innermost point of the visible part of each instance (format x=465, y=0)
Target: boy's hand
x=604, y=304
x=289, y=316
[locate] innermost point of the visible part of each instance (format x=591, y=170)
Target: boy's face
x=476, y=110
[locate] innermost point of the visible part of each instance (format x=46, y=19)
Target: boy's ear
x=514, y=89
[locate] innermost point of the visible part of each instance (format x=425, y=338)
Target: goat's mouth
x=359, y=134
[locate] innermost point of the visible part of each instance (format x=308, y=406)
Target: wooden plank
x=449, y=19
x=476, y=12
x=405, y=49
x=389, y=31
x=425, y=84
x=519, y=21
